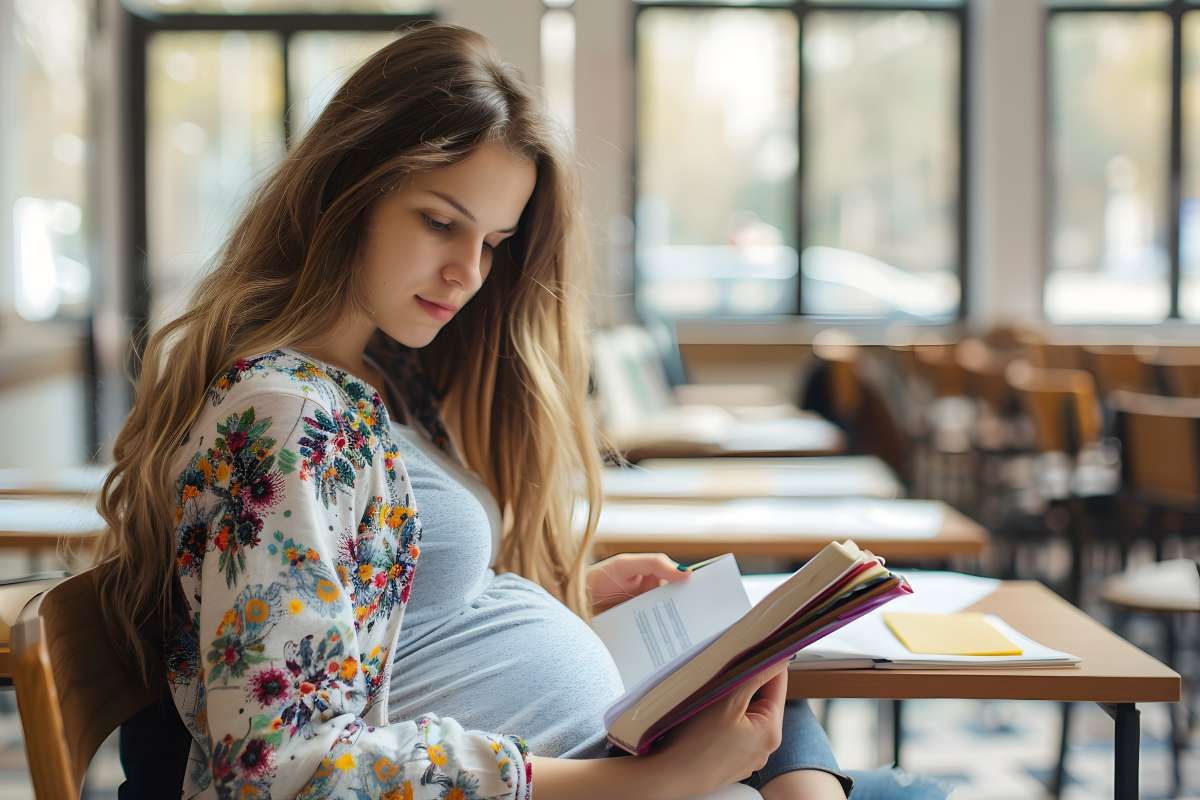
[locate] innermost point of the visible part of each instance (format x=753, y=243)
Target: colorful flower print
x=238, y=639
x=242, y=768
x=239, y=470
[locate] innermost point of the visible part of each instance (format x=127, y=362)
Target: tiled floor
x=987, y=751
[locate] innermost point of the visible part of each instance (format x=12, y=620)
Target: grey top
x=468, y=631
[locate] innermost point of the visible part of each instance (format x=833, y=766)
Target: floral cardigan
x=297, y=537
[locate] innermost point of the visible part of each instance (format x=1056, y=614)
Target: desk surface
x=43, y=522
x=78, y=481
x=677, y=436
x=1112, y=670
x=733, y=478
x=793, y=528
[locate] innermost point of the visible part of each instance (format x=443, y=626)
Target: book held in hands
x=685, y=645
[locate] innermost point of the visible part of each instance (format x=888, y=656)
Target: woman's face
x=429, y=244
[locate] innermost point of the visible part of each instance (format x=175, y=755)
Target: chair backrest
x=1118, y=368
x=1061, y=403
x=936, y=364
x=630, y=380
x=984, y=370
x=838, y=354
x=1160, y=447
x=1178, y=369
x=74, y=686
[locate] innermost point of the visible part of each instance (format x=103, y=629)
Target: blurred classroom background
x=957, y=240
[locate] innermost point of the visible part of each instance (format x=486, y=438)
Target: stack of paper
x=931, y=615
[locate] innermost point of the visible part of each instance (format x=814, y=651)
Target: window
x=225, y=93
x=1124, y=195
x=800, y=158
x=42, y=180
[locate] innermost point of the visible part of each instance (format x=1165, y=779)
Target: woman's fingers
x=654, y=565
x=670, y=570
x=769, y=699
x=745, y=693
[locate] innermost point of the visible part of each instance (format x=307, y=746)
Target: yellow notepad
x=949, y=634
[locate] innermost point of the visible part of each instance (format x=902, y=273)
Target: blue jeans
x=806, y=746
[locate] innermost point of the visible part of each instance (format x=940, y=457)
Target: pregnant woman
x=348, y=478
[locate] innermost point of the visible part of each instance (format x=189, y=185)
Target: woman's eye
x=435, y=225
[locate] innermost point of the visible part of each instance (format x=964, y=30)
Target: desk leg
x=1128, y=742
x=897, y=730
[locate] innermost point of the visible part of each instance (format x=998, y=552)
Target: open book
x=683, y=646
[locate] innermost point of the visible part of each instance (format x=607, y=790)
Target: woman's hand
x=615, y=580
x=728, y=741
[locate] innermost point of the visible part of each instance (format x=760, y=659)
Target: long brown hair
x=511, y=367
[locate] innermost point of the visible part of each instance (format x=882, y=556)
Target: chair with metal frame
x=1160, y=468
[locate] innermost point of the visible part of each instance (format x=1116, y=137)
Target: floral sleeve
x=293, y=553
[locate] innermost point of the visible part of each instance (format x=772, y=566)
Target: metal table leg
x=1127, y=740
x=897, y=730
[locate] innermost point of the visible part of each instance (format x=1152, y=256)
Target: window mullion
x=287, y=120
x=800, y=9
x=1175, y=168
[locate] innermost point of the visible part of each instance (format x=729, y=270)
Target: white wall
x=48, y=423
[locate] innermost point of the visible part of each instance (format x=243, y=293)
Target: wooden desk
x=734, y=478
x=42, y=523
x=787, y=528
x=1113, y=672
x=80, y=481
x=676, y=435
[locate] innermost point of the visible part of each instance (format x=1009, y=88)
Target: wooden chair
x=1000, y=434
x=838, y=388
x=1160, y=462
x=1076, y=475
x=1061, y=403
x=74, y=686
x=1118, y=368
x=1047, y=354
x=1065, y=411
x=1160, y=467
x=1177, y=370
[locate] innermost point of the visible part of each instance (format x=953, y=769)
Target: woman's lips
x=439, y=312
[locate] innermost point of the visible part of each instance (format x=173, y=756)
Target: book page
x=653, y=629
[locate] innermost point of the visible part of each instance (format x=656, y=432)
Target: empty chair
x=1177, y=370
x=643, y=417
x=1118, y=368
x=1160, y=469
x=1061, y=403
x=838, y=388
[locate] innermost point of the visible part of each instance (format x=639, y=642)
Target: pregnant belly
x=515, y=660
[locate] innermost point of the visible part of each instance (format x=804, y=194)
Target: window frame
x=1176, y=10
x=143, y=25
x=960, y=12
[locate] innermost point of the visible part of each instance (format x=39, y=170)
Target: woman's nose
x=466, y=268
